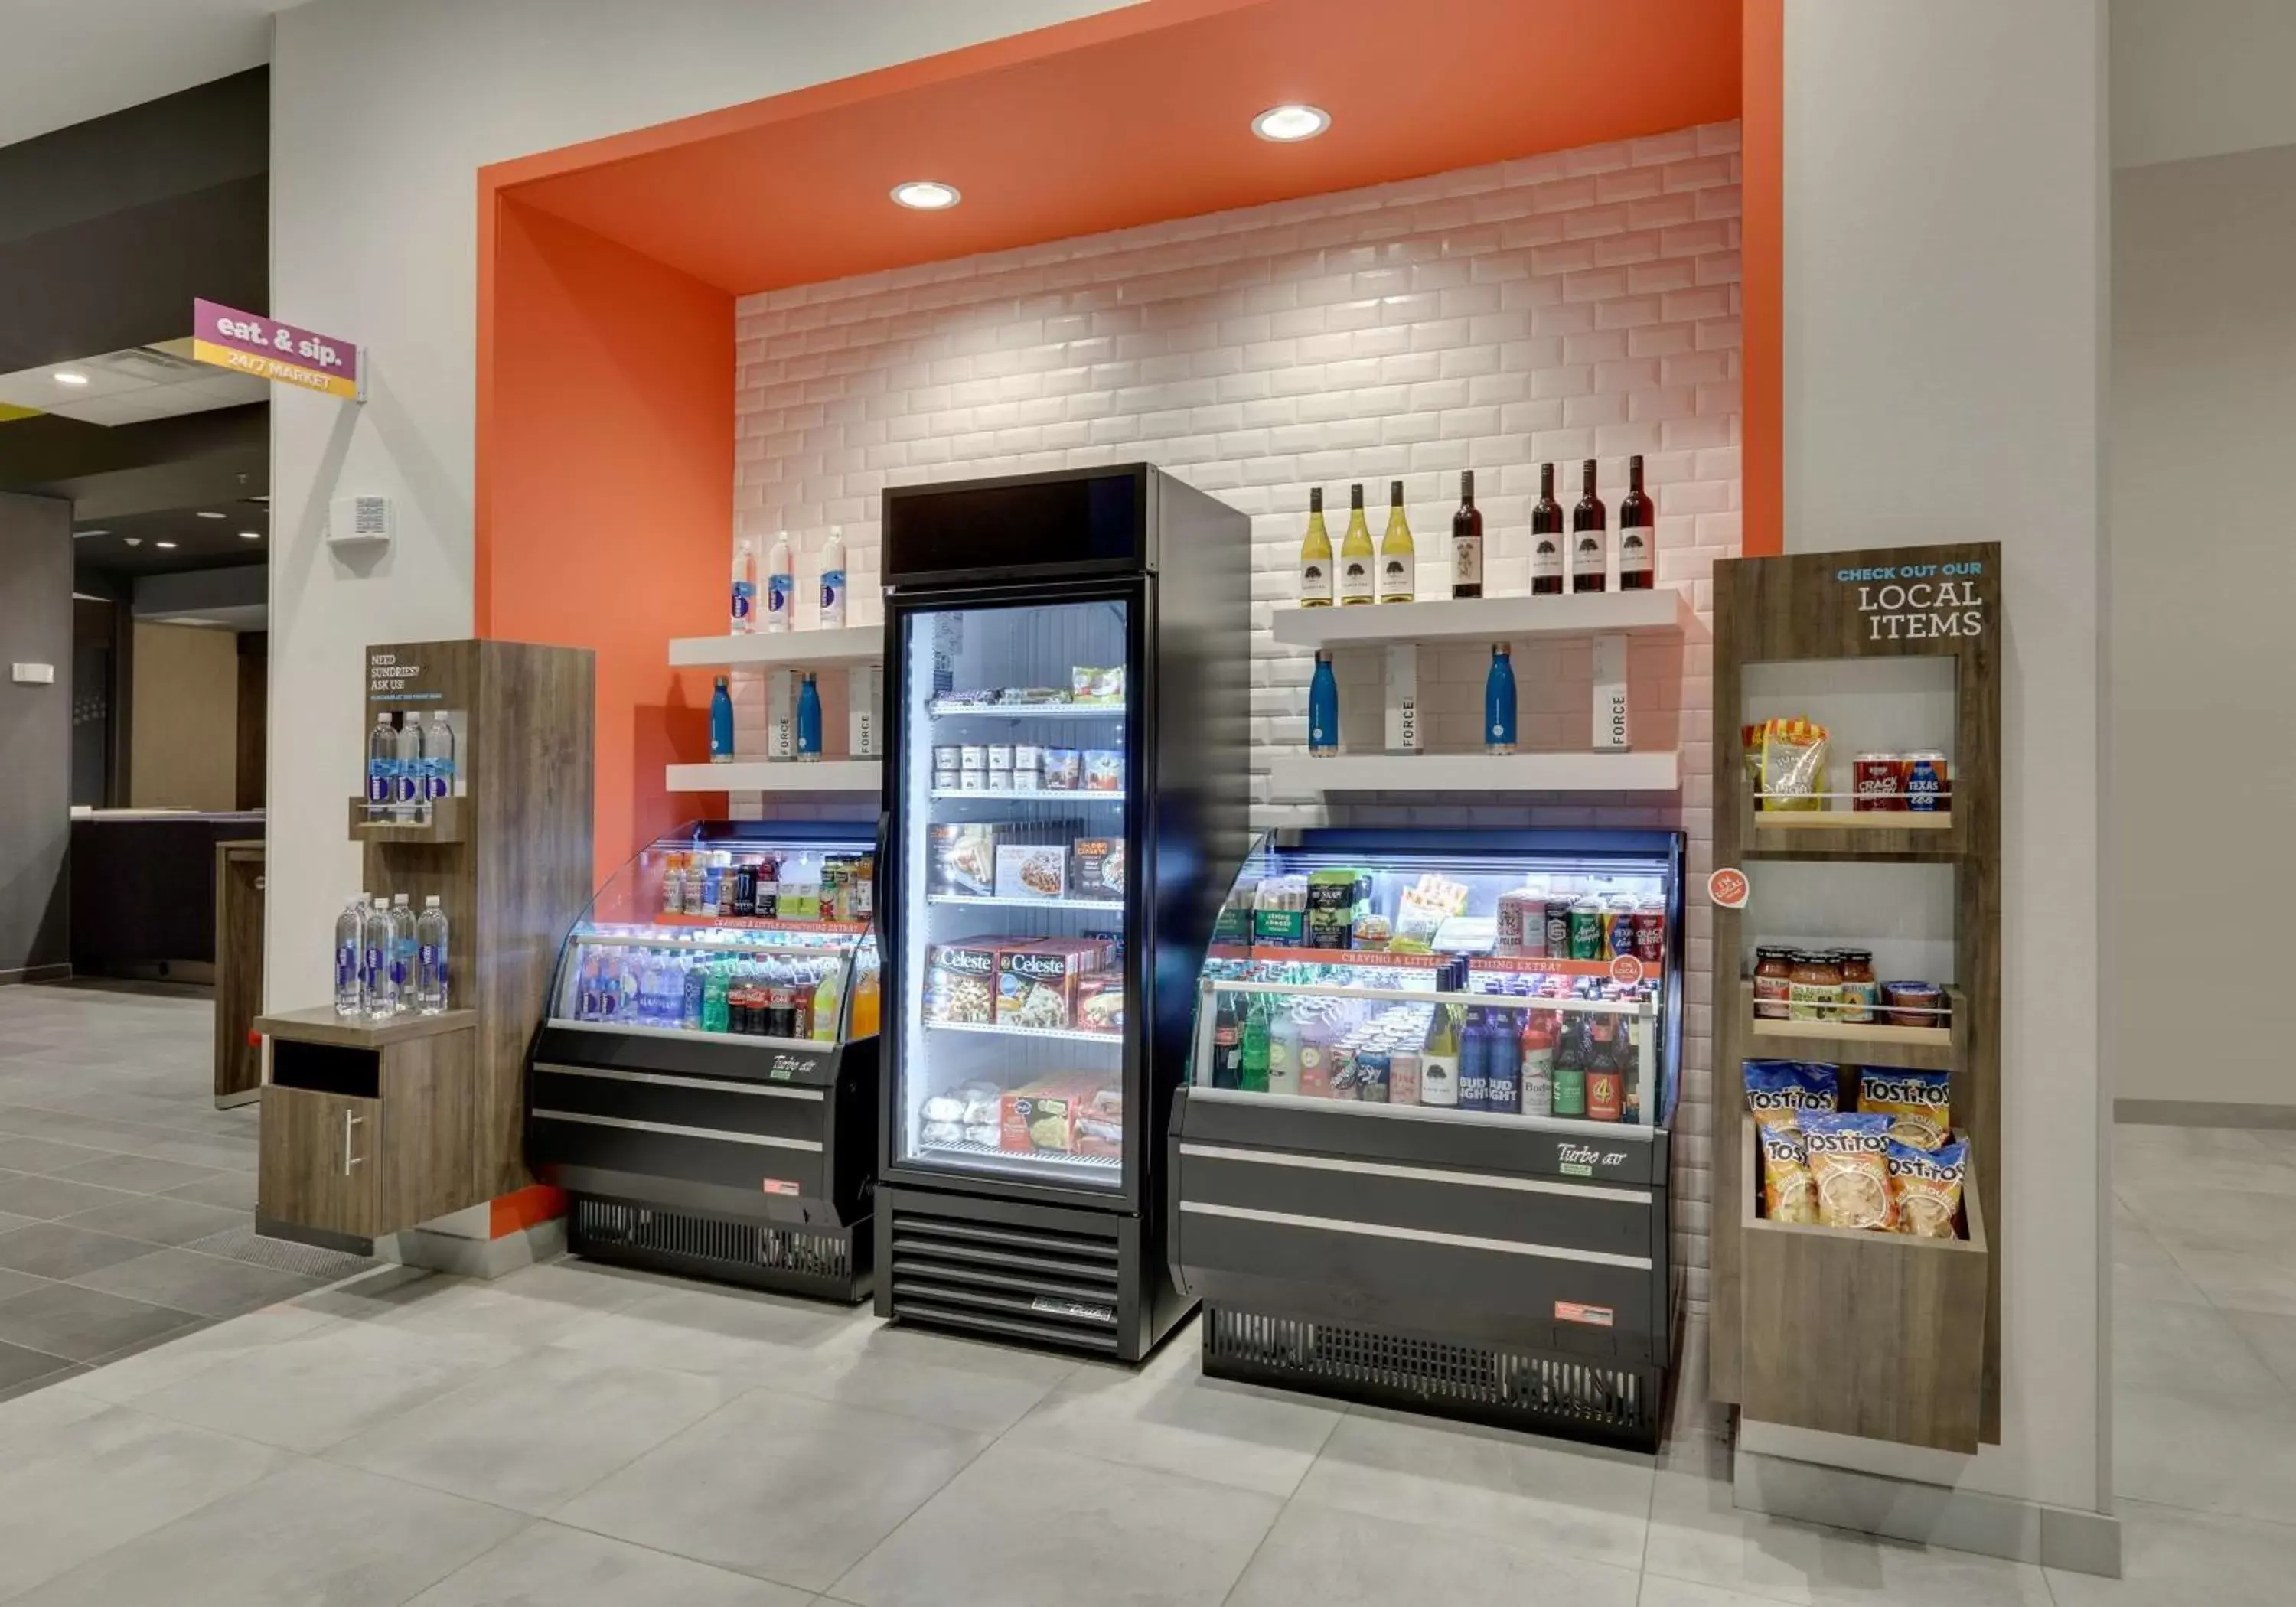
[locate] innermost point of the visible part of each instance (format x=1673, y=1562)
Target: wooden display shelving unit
x=371, y=1128
x=1876, y=1335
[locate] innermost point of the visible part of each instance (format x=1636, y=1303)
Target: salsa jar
x=1814, y=988
x=1860, y=993
x=1773, y=983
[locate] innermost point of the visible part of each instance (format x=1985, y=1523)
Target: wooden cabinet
x=239, y=971
x=317, y=1162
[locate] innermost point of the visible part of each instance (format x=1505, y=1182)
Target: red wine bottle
x=1546, y=537
x=1467, y=542
x=1638, y=534
x=1590, y=557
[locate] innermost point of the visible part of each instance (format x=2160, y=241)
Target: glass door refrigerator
x=1066, y=801
x=1422, y=1159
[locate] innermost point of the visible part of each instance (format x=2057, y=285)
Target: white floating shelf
x=779, y=775
x=1296, y=776
x=848, y=644
x=1662, y=611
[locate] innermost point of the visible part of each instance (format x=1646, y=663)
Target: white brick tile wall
x=1575, y=304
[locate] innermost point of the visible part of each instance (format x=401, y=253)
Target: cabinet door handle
x=350, y=1120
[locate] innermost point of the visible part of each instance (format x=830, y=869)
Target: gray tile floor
x=127, y=1200
x=581, y=1436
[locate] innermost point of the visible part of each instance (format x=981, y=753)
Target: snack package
x=1090, y=684
x=1422, y=910
x=1749, y=738
x=1788, y=1091
x=1849, y=1164
x=1925, y=1187
x=1788, y=1195
x=1919, y=1104
x=1793, y=765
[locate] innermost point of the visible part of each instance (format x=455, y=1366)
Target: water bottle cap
x=432, y=902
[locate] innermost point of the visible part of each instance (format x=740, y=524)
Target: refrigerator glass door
x=1012, y=837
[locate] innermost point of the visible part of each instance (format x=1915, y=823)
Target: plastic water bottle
x=1498, y=702
x=721, y=725
x=430, y=958
x=381, y=765
x=808, y=718
x=1324, y=707
x=402, y=931
x=349, y=934
x=833, y=579
x=407, y=789
x=745, y=587
x=693, y=991
x=438, y=761
x=381, y=988
x=780, y=583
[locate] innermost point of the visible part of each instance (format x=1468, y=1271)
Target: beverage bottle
x=430, y=958
x=721, y=725
x=1638, y=534
x=350, y=995
x=1315, y=557
x=714, y=989
x=1606, y=1071
x=833, y=579
x=1357, y=561
x=1467, y=541
x=1590, y=558
x=1323, y=707
x=1570, y=1069
x=808, y=715
x=406, y=780
x=1538, y=1064
x=1503, y=1089
x=1499, y=703
x=673, y=883
x=694, y=995
x=827, y=994
x=439, y=757
x=379, y=941
x=780, y=583
x=1227, y=1043
x=1284, y=1053
x=382, y=766
x=744, y=607
x=1546, y=537
x=1439, y=1063
x=1475, y=1063
x=1398, y=563
x=402, y=927
x=1252, y=1057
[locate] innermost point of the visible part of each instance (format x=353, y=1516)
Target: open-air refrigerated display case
x=1422, y=1157
x=705, y=1085
x=1065, y=799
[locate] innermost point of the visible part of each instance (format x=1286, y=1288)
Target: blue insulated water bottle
x=1324, y=707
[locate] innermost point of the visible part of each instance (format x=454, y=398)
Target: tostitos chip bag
x=1849, y=1164
x=1788, y=1195
x=1919, y=1104
x=1925, y=1186
x=1787, y=1090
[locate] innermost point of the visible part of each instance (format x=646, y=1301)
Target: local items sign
x=252, y=343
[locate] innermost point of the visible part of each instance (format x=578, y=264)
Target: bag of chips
x=1793, y=765
x=1919, y=1104
x=1925, y=1187
x=1788, y=1090
x=1850, y=1165
x=1788, y=1195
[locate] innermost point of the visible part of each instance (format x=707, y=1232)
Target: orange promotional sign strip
x=251, y=343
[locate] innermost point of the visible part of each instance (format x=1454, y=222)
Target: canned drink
x=1315, y=1070
x=1618, y=931
x=1403, y=1078
x=1340, y=1071
x=1373, y=1067
x=1650, y=932
x=1881, y=782
x=1517, y=911
x=1929, y=784
x=1558, y=929
x=1586, y=929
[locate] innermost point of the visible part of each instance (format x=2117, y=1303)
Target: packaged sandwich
x=1925, y=1187
x=1919, y=1104
x=1850, y=1165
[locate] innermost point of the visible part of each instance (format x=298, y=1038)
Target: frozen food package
x=1063, y=769
x=1849, y=1164
x=1031, y=871
x=1103, y=770
x=1096, y=867
x=962, y=859
x=1793, y=765
x=943, y=1132
x=1925, y=1186
x=1091, y=684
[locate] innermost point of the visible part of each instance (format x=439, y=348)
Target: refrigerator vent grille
x=608, y=1230
x=1045, y=1284
x=1490, y=1383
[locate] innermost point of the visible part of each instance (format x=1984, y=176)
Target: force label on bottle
x=1593, y=1316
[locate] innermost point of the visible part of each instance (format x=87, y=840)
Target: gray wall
x=36, y=627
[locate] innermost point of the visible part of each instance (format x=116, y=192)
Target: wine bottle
x=1638, y=534
x=1546, y=537
x=1590, y=559
x=1357, y=559
x=1315, y=557
x=1467, y=541
x=1397, y=564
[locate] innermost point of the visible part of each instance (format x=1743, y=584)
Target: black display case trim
x=1420, y=1174
x=708, y=1085
x=1379, y=1230
x=675, y=1131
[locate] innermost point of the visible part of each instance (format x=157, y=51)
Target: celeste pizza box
x=1036, y=982
x=961, y=979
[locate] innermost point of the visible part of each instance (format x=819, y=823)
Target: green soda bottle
x=1253, y=1078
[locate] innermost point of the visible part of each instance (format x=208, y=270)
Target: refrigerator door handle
x=884, y=848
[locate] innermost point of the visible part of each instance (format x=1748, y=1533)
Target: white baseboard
x=475, y=1257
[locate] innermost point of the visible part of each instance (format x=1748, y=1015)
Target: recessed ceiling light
x=251, y=534
x=83, y=535
x=167, y=545
x=205, y=515
x=926, y=195
x=65, y=376
x=1291, y=121
x=134, y=541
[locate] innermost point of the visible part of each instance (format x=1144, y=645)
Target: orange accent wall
x=605, y=476
x=1762, y=528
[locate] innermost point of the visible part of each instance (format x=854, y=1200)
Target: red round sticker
x=1626, y=969
x=1728, y=888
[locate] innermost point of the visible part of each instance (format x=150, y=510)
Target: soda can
x=1340, y=1069
x=1403, y=1078
x=1558, y=929
x=1618, y=932
x=1516, y=911
x=1373, y=1067
x=1881, y=782
x=1314, y=1069
x=1929, y=784
x=1650, y=932
x=1586, y=929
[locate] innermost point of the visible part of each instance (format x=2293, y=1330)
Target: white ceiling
x=63, y=61
x=129, y=386
x=2200, y=78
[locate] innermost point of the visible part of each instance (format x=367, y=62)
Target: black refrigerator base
x=830, y=1263
x=1087, y=1281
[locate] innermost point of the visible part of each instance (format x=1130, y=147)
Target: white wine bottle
x=1357, y=559
x=1315, y=557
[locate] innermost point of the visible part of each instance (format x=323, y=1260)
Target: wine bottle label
x=1467, y=560
x=1438, y=1080
x=1315, y=581
x=1635, y=550
x=1547, y=559
x=1394, y=579
x=1355, y=578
